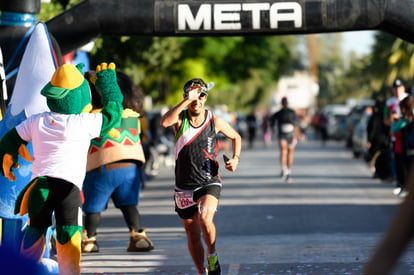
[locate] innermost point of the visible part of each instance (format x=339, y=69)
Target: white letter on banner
x=185, y=17
x=227, y=17
x=294, y=14
x=256, y=8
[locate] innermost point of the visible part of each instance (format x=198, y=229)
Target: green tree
x=330, y=67
x=391, y=57
x=244, y=68
x=380, y=66
x=355, y=82
x=401, y=60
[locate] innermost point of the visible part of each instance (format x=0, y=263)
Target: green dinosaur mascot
x=60, y=140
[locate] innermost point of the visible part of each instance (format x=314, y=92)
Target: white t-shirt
x=60, y=143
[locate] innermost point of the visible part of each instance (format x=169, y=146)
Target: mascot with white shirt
x=60, y=140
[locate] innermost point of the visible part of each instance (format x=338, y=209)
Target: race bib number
x=184, y=199
x=287, y=128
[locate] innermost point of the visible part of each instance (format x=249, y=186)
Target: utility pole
x=312, y=54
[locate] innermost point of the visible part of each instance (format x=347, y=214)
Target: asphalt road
x=328, y=220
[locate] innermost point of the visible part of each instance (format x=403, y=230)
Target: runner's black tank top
x=196, y=151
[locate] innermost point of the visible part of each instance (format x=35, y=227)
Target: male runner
x=198, y=183
x=288, y=129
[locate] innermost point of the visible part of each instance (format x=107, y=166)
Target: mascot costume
x=37, y=51
x=60, y=140
x=114, y=173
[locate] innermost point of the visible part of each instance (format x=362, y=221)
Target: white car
x=360, y=136
x=336, y=115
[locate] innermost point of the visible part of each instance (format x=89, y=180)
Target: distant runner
x=288, y=130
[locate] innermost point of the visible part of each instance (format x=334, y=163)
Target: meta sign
x=241, y=16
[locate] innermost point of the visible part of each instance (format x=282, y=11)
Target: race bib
x=287, y=128
x=184, y=199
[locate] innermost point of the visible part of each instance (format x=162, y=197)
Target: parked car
x=336, y=115
x=353, y=118
x=360, y=134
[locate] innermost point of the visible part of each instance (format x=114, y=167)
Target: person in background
x=288, y=131
x=113, y=172
x=266, y=131
x=319, y=124
x=197, y=180
x=406, y=126
x=323, y=127
x=251, y=128
x=145, y=142
x=392, y=113
x=378, y=142
x=224, y=144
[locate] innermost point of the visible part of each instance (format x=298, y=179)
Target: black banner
x=95, y=18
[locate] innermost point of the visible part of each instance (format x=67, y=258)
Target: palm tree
x=401, y=60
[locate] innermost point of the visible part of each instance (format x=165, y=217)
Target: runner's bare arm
x=223, y=127
x=172, y=117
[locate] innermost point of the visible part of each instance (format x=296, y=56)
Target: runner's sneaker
x=396, y=190
x=213, y=265
x=288, y=178
x=403, y=193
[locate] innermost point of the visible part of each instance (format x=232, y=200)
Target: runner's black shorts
x=188, y=213
x=288, y=137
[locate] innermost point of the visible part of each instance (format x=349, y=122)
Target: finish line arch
x=94, y=18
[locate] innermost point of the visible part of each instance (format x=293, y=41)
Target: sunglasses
x=203, y=88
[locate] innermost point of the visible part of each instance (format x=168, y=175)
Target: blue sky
x=358, y=41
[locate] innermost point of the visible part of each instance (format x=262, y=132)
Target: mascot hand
x=105, y=66
x=107, y=83
x=9, y=162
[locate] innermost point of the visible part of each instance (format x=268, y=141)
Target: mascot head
x=68, y=91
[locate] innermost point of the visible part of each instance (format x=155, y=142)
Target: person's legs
x=290, y=157
x=35, y=201
x=138, y=240
x=33, y=243
x=96, y=192
x=324, y=134
x=195, y=246
x=375, y=154
x=400, y=171
x=207, y=209
x=131, y=217
x=291, y=144
x=283, y=148
x=91, y=223
x=68, y=225
x=198, y=219
x=126, y=198
x=207, y=206
x=252, y=134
